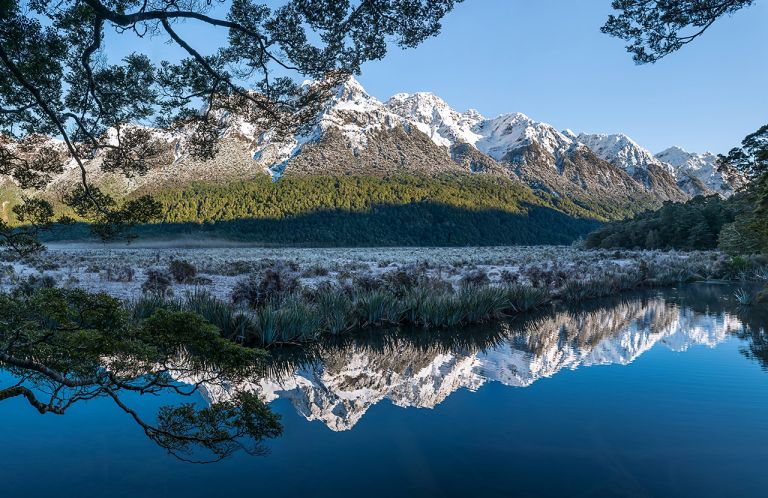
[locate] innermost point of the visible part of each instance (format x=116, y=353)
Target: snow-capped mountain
x=433, y=117
x=694, y=174
x=421, y=133
x=621, y=150
x=703, y=168
x=347, y=380
x=355, y=133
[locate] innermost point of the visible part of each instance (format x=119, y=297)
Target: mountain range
x=356, y=132
x=419, y=134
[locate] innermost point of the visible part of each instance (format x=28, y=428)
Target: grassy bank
x=272, y=309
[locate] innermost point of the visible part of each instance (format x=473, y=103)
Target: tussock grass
x=273, y=307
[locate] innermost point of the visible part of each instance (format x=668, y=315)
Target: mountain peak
x=508, y=132
x=619, y=149
x=434, y=117
x=704, y=167
x=673, y=150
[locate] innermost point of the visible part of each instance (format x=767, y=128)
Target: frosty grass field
x=121, y=272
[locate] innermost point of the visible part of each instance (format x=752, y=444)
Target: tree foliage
x=57, y=79
x=66, y=346
x=407, y=210
x=752, y=156
x=693, y=225
x=656, y=28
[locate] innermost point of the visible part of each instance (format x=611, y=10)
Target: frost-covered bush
x=157, y=283
x=475, y=278
x=315, y=270
x=35, y=282
x=367, y=282
x=124, y=274
x=272, y=285
x=182, y=271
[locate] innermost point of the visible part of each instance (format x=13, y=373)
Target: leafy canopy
x=57, y=80
x=67, y=346
x=656, y=28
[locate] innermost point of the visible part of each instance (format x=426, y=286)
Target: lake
x=662, y=393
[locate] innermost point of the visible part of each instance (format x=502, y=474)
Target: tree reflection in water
x=64, y=347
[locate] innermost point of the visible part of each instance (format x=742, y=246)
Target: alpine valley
x=408, y=171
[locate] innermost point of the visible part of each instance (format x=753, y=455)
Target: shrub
x=367, y=282
x=123, y=275
x=316, y=270
x=509, y=277
x=157, y=283
x=475, y=278
x=182, y=271
x=34, y=283
x=270, y=286
x=740, y=264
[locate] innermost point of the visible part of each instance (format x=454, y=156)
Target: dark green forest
x=446, y=210
x=298, y=195
x=736, y=225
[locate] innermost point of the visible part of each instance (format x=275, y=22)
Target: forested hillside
x=295, y=195
x=736, y=225
x=368, y=211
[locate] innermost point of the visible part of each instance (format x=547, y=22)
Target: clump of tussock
x=232, y=324
x=270, y=286
x=182, y=271
x=295, y=321
x=335, y=308
x=525, y=297
x=377, y=307
x=157, y=283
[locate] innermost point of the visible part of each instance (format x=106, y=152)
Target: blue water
x=640, y=396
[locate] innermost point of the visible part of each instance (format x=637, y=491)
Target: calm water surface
x=660, y=394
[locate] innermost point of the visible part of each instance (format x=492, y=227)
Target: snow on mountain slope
x=703, y=167
x=351, y=110
x=508, y=132
x=430, y=114
x=622, y=151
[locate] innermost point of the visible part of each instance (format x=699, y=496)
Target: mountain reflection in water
x=337, y=383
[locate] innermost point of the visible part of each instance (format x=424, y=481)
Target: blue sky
x=549, y=60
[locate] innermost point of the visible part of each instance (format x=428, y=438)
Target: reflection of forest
x=338, y=382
